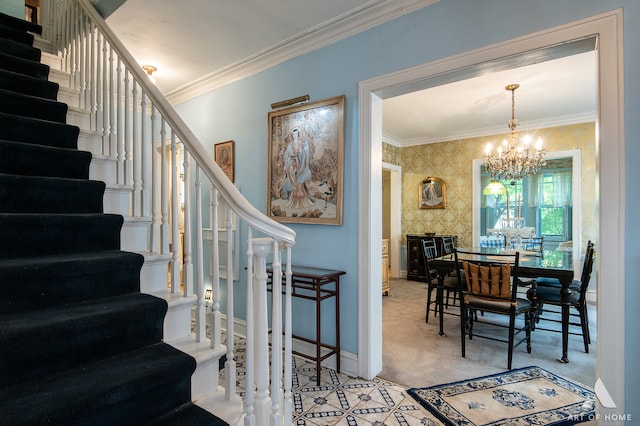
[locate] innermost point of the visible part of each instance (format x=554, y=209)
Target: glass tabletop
x=550, y=259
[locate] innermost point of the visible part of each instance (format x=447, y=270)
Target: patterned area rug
x=526, y=396
x=342, y=400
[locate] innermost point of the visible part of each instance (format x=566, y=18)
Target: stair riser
x=69, y=97
x=117, y=200
x=20, y=50
x=30, y=130
x=159, y=383
x=42, y=235
x=80, y=118
x=135, y=235
x=92, y=142
x=30, y=106
x=57, y=76
x=153, y=276
x=91, y=332
x=52, y=61
x=28, y=286
x=32, y=86
x=16, y=35
x=28, y=194
x=20, y=24
x=23, y=66
x=103, y=169
x=205, y=379
x=34, y=160
x=177, y=323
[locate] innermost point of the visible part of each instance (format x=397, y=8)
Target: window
x=543, y=201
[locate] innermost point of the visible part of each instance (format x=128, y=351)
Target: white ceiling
x=199, y=45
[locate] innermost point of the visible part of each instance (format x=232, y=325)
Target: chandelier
x=515, y=158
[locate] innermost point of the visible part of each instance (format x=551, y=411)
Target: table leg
x=318, y=334
x=564, y=292
x=338, y=325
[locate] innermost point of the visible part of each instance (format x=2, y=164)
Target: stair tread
x=68, y=259
x=33, y=106
x=25, y=84
x=24, y=66
x=83, y=390
x=40, y=160
x=38, y=234
x=52, y=316
x=19, y=24
x=15, y=34
x=45, y=281
x=44, y=194
x=191, y=415
x=18, y=49
x=38, y=131
x=91, y=330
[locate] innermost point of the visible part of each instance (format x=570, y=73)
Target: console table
x=315, y=284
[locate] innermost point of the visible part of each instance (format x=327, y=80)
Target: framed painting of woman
x=305, y=163
x=433, y=193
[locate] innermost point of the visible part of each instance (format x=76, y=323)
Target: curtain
x=562, y=181
x=562, y=189
x=535, y=189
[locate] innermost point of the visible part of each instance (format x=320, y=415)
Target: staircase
x=80, y=343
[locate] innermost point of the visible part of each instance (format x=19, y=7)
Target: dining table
x=550, y=264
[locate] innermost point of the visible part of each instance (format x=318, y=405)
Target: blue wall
x=239, y=112
x=14, y=8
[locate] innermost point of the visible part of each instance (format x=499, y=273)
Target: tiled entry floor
x=343, y=400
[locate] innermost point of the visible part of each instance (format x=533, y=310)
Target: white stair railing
x=170, y=175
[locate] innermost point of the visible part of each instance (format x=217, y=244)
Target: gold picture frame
x=432, y=193
x=223, y=154
x=305, y=163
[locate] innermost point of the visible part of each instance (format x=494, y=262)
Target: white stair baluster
x=187, y=267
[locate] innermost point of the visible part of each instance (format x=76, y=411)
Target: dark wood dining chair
x=491, y=286
x=535, y=244
x=548, y=293
x=450, y=284
x=448, y=246
x=575, y=285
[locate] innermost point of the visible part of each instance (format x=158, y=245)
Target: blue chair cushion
x=554, y=282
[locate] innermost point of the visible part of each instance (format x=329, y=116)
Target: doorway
x=392, y=215
x=610, y=346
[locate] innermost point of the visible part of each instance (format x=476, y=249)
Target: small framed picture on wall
x=223, y=156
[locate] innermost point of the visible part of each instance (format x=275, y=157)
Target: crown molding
x=531, y=125
x=367, y=16
x=390, y=139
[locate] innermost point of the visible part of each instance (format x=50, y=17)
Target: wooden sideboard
x=415, y=261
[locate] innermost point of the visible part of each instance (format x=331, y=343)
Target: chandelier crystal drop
x=516, y=158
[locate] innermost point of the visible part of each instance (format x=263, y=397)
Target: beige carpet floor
x=415, y=355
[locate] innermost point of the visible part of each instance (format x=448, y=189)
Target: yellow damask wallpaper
x=451, y=161
x=390, y=154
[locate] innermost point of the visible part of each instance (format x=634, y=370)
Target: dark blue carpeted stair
x=79, y=343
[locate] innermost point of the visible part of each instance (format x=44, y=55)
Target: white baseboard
x=348, y=360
